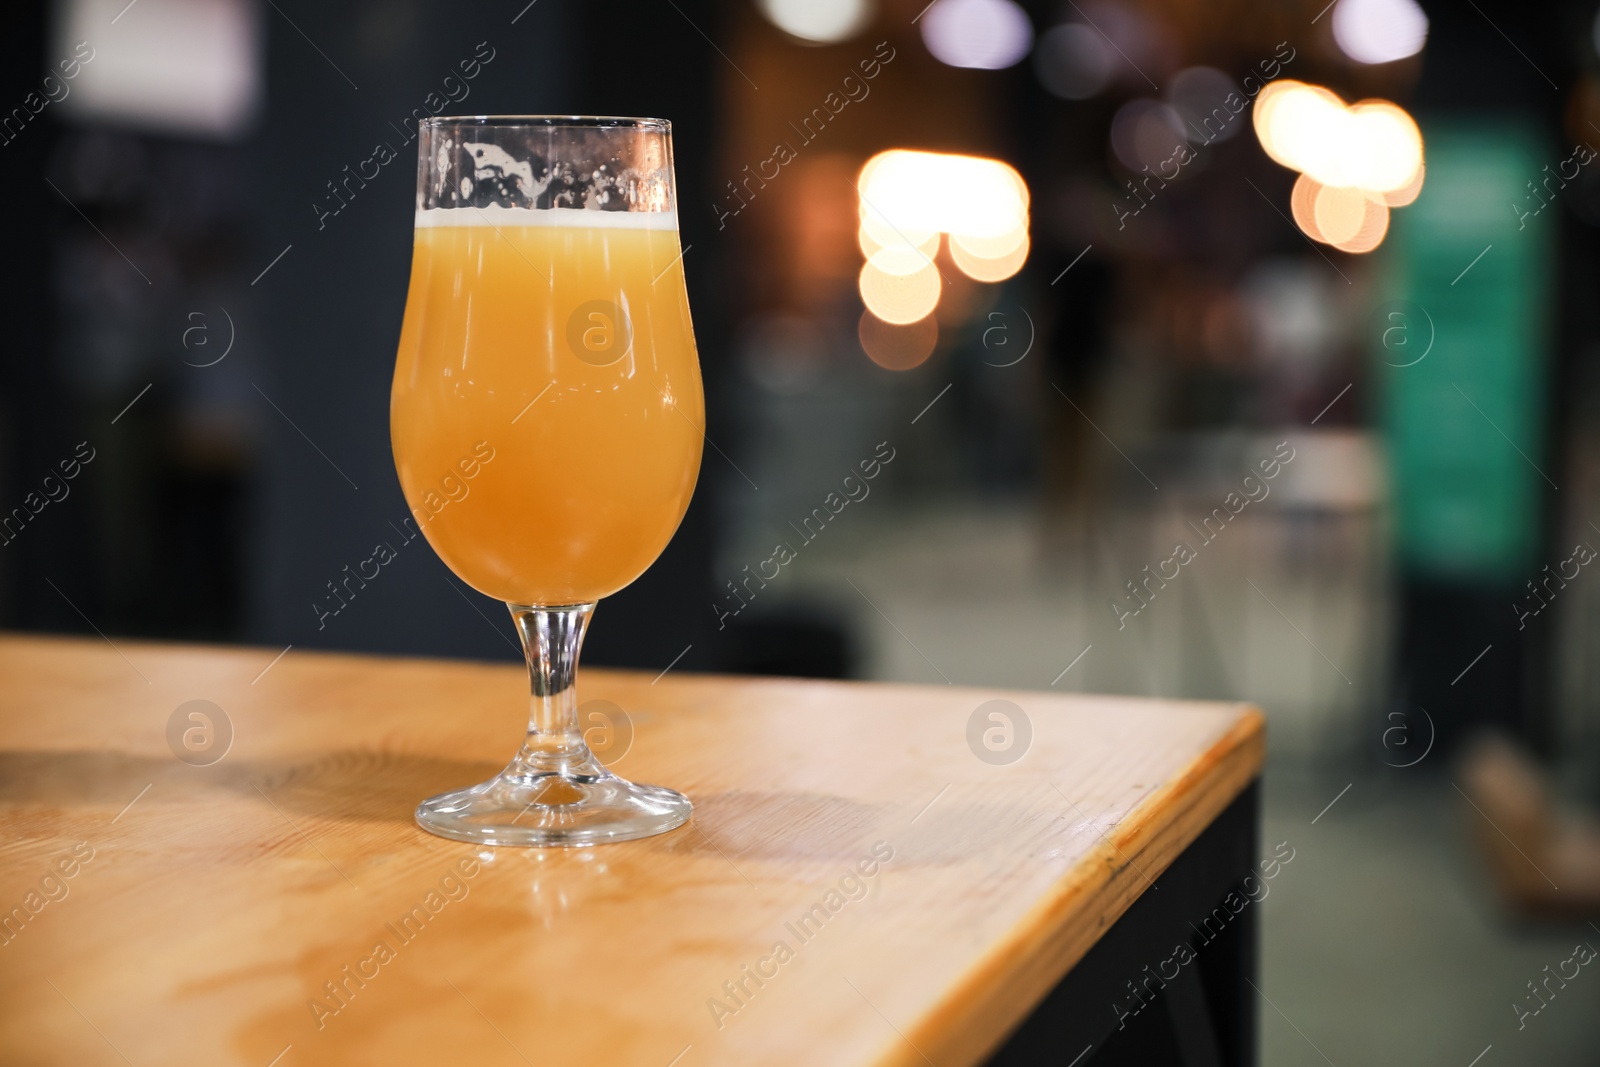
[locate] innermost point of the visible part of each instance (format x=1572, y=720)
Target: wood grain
x=212, y=914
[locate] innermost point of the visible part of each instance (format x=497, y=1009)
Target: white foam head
x=496, y=216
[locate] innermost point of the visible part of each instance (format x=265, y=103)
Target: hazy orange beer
x=561, y=340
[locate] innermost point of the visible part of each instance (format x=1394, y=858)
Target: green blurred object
x=1460, y=338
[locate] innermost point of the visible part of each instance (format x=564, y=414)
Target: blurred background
x=1243, y=350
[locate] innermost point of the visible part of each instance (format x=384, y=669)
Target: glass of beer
x=547, y=423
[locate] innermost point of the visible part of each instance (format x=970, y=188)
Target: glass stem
x=552, y=637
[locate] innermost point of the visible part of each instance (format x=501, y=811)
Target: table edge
x=977, y=1013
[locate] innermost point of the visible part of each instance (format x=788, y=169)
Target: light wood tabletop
x=856, y=885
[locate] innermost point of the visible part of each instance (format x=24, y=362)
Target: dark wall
x=336, y=298
x=327, y=491
x=223, y=503
x=36, y=430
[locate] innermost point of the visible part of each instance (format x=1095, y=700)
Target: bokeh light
x=1387, y=146
x=991, y=247
x=1267, y=101
x=1339, y=211
x=883, y=232
x=1198, y=95
x=1146, y=133
x=988, y=268
x=1140, y=46
x=1306, y=129
x=869, y=244
x=984, y=34
x=820, y=21
x=1373, y=145
x=1349, y=219
x=1355, y=162
x=913, y=194
x=1072, y=61
x=901, y=259
x=1402, y=197
x=895, y=346
x=898, y=255
x=1370, y=234
x=1303, y=205
x=900, y=298
x=909, y=199
x=1379, y=31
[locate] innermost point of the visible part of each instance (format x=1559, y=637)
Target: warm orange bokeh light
x=928, y=246
x=1374, y=225
x=1303, y=205
x=1351, y=220
x=897, y=347
x=900, y=298
x=1355, y=162
x=1339, y=211
x=991, y=247
x=905, y=258
x=938, y=191
x=907, y=200
x=987, y=268
x=1387, y=145
x=1402, y=197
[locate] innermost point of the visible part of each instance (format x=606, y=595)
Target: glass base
x=554, y=792
x=554, y=809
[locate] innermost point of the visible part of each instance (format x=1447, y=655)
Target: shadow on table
x=353, y=785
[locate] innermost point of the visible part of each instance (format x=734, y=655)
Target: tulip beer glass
x=546, y=420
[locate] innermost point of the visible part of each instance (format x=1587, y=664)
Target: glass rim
x=591, y=122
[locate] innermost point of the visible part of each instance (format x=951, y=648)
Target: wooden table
x=929, y=903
